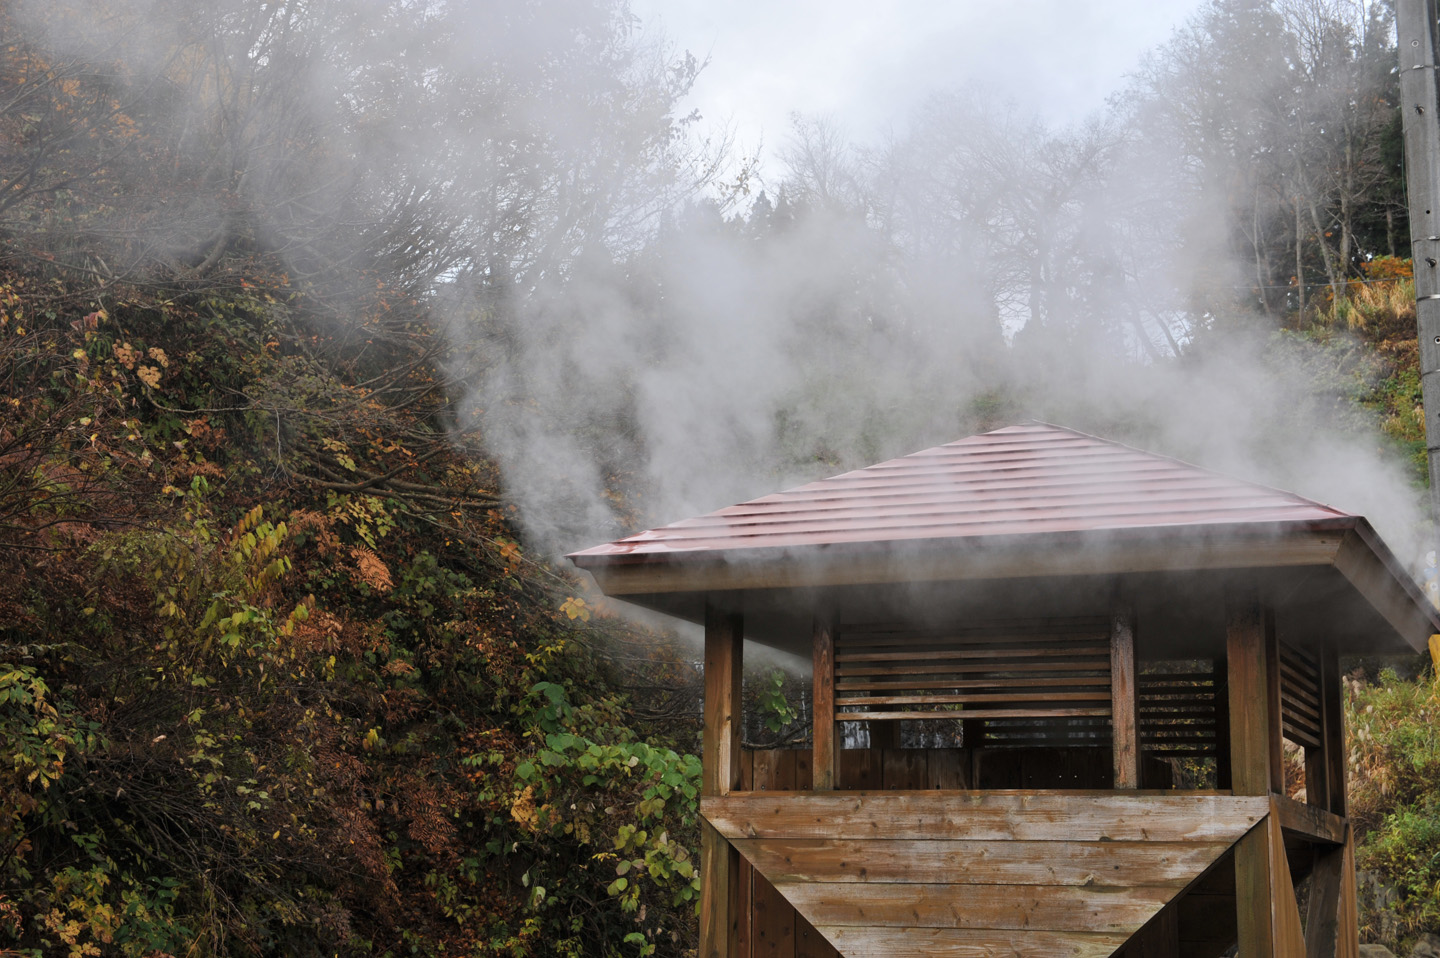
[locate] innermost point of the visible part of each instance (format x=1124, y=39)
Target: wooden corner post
x=826, y=754
x=1267, y=915
x=719, y=775
x=1124, y=717
x=1332, y=927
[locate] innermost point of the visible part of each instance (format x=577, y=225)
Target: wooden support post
x=719, y=775
x=720, y=739
x=826, y=750
x=1322, y=923
x=1273, y=679
x=1123, y=714
x=1222, y=726
x=719, y=895
x=1247, y=669
x=1267, y=917
x=1332, y=708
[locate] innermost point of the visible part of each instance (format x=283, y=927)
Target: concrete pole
x=1416, y=29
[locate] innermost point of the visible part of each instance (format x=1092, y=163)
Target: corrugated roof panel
x=1031, y=479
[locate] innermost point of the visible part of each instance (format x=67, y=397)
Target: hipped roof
x=1033, y=502
x=1033, y=479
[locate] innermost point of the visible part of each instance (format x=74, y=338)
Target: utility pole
x=1415, y=29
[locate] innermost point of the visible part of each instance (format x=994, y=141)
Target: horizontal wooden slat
x=1300, y=735
x=1008, y=907
x=1061, y=682
x=968, y=654
x=1169, y=864
x=1181, y=679
x=963, y=714
x=1015, y=626
x=958, y=667
x=1101, y=695
x=917, y=641
x=984, y=816
x=1289, y=675
x=959, y=943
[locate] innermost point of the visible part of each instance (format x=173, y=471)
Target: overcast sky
x=866, y=63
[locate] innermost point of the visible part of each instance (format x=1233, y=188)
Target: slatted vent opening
x=1179, y=710
x=1055, y=671
x=1299, y=697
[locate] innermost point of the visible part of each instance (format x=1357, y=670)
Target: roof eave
x=1378, y=575
x=1102, y=552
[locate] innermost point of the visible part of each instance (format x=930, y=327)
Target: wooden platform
x=962, y=873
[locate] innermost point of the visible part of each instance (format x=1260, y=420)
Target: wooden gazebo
x=1066, y=671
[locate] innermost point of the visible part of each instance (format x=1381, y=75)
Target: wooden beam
x=1393, y=594
x=861, y=942
x=1322, y=923
x=826, y=751
x=1007, y=907
x=720, y=773
x=1313, y=824
x=986, y=816
x=1248, y=684
x=1347, y=933
x=960, y=862
x=1274, y=715
x=1267, y=915
x=719, y=886
x=1123, y=715
x=720, y=739
x=1018, y=557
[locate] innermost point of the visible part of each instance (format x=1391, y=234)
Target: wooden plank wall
x=769, y=925
x=1038, y=873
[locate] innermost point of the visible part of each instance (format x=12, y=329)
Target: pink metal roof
x=1029, y=479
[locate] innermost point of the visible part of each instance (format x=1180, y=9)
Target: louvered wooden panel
x=1299, y=696
x=1026, y=669
x=1177, y=714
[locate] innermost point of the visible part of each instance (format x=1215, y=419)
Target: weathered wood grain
x=809, y=943
x=903, y=769
x=985, y=816
x=1247, y=669
x=971, y=714
x=1002, y=907
x=854, y=942
x=825, y=761
x=772, y=921
x=720, y=738
x=1124, y=723
x=1347, y=935
x=1254, y=885
x=1285, y=909
x=1313, y=823
x=1169, y=864
x=1322, y=924
x=718, y=915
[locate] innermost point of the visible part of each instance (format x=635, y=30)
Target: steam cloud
x=632, y=318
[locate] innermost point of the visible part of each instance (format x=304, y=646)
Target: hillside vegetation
x=323, y=323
